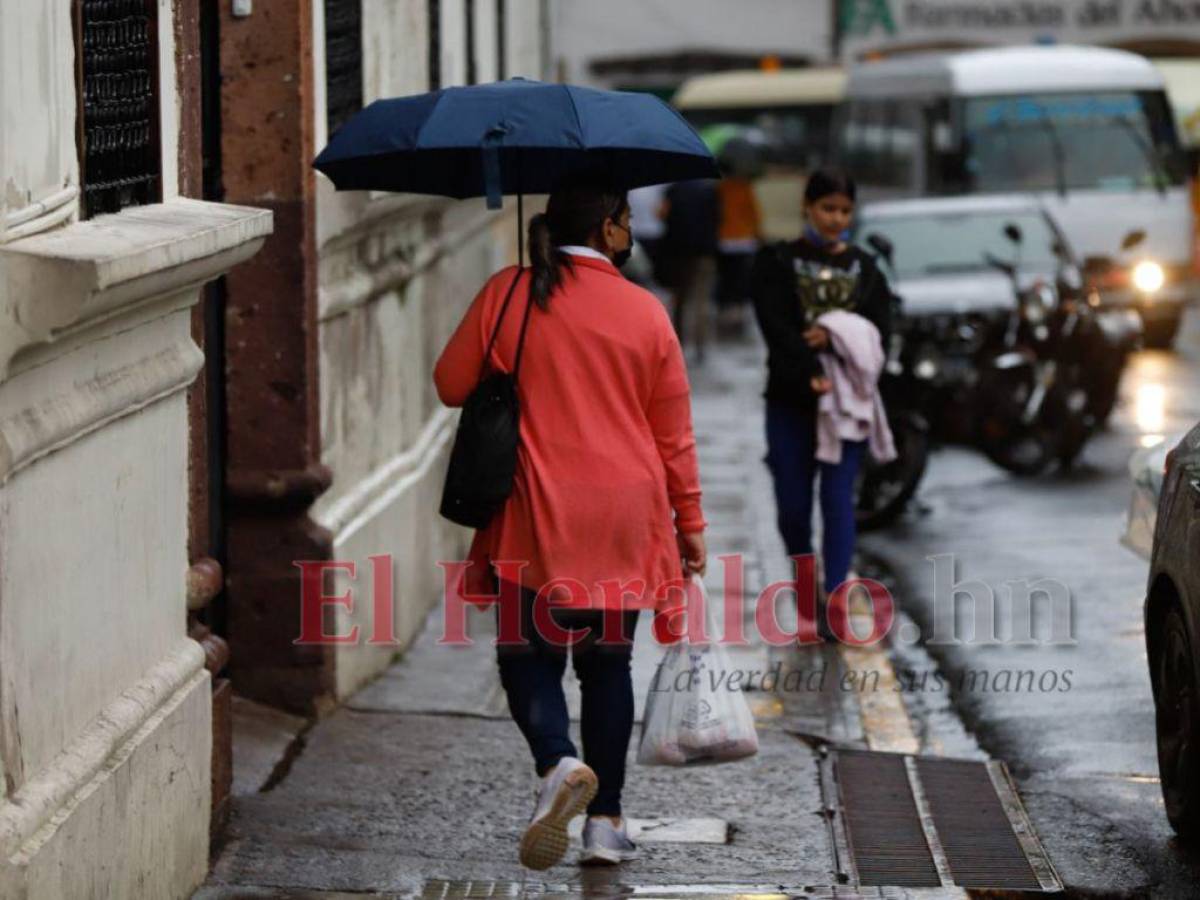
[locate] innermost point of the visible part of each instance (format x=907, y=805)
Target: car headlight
x=1148, y=276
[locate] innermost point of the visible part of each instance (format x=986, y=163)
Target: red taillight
x=1116, y=278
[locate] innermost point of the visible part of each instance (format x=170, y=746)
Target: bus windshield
x=1115, y=141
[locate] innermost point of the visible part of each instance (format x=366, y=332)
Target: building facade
x=1161, y=28
x=657, y=44
x=336, y=440
x=212, y=366
x=106, y=702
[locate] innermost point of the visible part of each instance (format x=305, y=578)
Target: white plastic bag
x=692, y=714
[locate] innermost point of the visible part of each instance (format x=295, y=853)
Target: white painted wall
x=485, y=39
x=384, y=433
x=37, y=106
x=105, y=705
x=525, y=39
x=395, y=274
x=454, y=37
x=93, y=540
x=168, y=101
x=395, y=57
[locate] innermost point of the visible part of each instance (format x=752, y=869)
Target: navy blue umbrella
x=513, y=137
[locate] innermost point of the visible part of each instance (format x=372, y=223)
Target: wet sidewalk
x=421, y=785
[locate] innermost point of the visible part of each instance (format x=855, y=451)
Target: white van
x=1087, y=130
x=793, y=108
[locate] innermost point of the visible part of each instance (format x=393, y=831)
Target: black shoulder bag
x=483, y=460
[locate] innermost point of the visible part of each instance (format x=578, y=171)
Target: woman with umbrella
x=605, y=497
x=605, y=501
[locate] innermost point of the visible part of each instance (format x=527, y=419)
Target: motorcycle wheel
x=1022, y=448
x=1027, y=453
x=883, y=491
x=1071, y=409
x=1103, y=407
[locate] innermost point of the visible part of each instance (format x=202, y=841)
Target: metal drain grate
x=981, y=847
x=885, y=833
x=610, y=887
x=908, y=821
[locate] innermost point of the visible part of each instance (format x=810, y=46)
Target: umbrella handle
x=520, y=229
x=491, y=166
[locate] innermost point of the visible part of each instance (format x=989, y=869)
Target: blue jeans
x=531, y=676
x=791, y=456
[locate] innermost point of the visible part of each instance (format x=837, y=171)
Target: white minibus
x=1086, y=130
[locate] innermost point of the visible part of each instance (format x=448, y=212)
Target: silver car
x=940, y=248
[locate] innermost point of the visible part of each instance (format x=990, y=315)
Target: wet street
x=1083, y=755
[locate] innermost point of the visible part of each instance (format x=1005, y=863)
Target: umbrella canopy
x=513, y=137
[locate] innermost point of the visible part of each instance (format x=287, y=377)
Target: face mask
x=815, y=237
x=622, y=256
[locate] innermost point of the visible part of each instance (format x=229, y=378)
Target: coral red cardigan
x=607, y=450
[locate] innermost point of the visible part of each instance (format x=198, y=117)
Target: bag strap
x=500, y=320
x=521, y=339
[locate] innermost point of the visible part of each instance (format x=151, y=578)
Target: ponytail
x=546, y=262
x=575, y=213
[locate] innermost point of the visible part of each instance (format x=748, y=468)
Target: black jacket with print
x=792, y=284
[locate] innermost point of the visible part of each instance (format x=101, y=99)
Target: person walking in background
x=646, y=208
x=793, y=285
x=606, y=492
x=739, y=238
x=693, y=214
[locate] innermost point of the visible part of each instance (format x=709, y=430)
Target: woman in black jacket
x=793, y=284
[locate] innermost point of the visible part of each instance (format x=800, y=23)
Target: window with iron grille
x=435, y=44
x=501, y=40
x=472, y=62
x=343, y=61
x=120, y=157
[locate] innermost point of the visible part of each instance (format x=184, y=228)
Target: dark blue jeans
x=531, y=676
x=791, y=456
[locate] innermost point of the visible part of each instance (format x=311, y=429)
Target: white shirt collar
x=576, y=250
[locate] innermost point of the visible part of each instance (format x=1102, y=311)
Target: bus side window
x=905, y=119
x=849, y=140
x=875, y=140
x=944, y=151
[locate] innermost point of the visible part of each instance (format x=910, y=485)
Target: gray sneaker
x=565, y=793
x=606, y=845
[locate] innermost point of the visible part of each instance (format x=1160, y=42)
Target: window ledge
x=59, y=281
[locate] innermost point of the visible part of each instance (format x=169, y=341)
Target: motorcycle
x=1121, y=331
x=1049, y=376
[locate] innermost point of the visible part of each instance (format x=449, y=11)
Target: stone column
x=105, y=703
